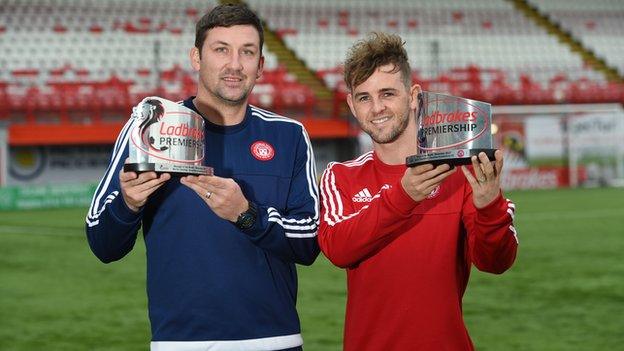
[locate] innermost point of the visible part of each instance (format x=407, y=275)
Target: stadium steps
x=324, y=96
x=565, y=37
x=296, y=66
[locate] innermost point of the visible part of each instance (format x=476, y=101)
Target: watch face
x=246, y=220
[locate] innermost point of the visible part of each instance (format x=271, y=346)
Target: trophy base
x=180, y=169
x=454, y=157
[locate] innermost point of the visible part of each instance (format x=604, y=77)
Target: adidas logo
x=362, y=196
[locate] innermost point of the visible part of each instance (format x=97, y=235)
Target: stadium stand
x=61, y=57
x=598, y=24
x=78, y=54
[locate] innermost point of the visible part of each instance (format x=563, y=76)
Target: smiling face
x=229, y=64
x=384, y=105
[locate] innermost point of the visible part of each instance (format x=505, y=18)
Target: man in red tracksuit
x=407, y=236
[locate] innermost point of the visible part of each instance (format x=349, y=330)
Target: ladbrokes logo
x=181, y=130
x=172, y=136
x=437, y=117
x=176, y=135
x=452, y=122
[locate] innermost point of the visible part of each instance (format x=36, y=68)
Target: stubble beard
x=220, y=92
x=220, y=95
x=394, y=133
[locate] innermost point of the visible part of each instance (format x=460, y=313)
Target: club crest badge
x=434, y=193
x=262, y=151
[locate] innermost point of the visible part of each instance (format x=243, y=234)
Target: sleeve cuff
x=120, y=210
x=494, y=210
x=398, y=199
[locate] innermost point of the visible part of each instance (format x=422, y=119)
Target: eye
x=249, y=52
x=363, y=98
x=220, y=49
x=387, y=94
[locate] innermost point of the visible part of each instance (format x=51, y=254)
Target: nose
x=235, y=62
x=378, y=106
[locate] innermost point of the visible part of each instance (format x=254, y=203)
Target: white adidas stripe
x=122, y=136
x=336, y=208
x=358, y=161
x=279, y=221
x=275, y=214
x=95, y=210
x=511, y=209
x=515, y=234
x=333, y=207
x=511, y=213
x=299, y=235
x=332, y=201
x=330, y=192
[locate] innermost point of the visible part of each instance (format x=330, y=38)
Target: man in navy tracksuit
x=221, y=250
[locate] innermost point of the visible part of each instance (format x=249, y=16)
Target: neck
x=394, y=153
x=218, y=112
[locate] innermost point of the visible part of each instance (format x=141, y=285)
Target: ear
x=350, y=103
x=415, y=96
x=195, y=58
x=260, y=67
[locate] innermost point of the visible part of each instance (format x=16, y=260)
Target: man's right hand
x=136, y=188
x=420, y=181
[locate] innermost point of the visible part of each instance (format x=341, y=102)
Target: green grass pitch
x=565, y=291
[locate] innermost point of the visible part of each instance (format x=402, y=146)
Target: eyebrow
x=384, y=90
x=220, y=42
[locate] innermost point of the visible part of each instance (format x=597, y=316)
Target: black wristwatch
x=248, y=218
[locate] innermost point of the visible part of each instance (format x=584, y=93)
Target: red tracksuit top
x=408, y=263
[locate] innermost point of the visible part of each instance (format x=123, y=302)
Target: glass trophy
x=451, y=130
x=166, y=137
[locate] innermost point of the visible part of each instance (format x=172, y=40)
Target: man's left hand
x=485, y=182
x=223, y=195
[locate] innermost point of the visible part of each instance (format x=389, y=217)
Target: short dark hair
x=379, y=49
x=227, y=15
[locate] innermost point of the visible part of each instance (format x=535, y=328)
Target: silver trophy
x=451, y=130
x=166, y=137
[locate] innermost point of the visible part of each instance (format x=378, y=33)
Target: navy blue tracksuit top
x=209, y=283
